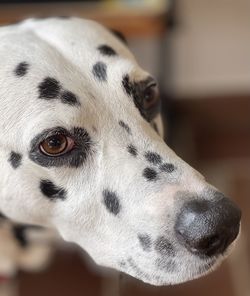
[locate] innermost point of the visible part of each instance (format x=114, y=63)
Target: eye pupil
x=55, y=142
x=54, y=145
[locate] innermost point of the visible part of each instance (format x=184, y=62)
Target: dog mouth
x=160, y=270
x=169, y=262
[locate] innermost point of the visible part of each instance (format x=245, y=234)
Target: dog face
x=79, y=154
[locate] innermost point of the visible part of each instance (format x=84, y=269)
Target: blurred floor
x=67, y=275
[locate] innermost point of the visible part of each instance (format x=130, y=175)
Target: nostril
x=209, y=245
x=208, y=227
x=209, y=242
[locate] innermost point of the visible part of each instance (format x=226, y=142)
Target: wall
x=210, y=48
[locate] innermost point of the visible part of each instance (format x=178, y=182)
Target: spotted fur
x=15, y=159
x=51, y=191
x=111, y=202
x=100, y=71
x=21, y=69
x=107, y=50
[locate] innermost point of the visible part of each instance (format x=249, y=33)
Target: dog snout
x=208, y=227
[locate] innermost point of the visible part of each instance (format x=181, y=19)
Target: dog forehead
x=79, y=53
x=81, y=41
x=77, y=60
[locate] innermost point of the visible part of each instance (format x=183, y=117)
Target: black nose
x=208, y=227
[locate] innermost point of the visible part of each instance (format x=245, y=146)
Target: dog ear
x=120, y=36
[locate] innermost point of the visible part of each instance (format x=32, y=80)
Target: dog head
x=79, y=154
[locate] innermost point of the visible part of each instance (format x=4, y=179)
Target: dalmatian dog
x=81, y=153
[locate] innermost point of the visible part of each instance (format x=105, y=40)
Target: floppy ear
x=120, y=36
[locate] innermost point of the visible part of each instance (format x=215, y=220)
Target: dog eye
x=56, y=145
x=151, y=96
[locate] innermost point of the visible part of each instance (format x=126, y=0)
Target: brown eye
x=56, y=145
x=151, y=96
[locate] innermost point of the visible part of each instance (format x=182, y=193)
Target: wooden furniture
x=130, y=20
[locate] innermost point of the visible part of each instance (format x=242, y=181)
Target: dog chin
x=190, y=267
x=178, y=278
x=199, y=269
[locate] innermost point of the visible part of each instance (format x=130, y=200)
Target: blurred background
x=199, y=50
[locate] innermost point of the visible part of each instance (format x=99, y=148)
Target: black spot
x=150, y=174
x=107, y=50
x=167, y=167
x=164, y=247
x=125, y=126
x=111, y=201
x=145, y=241
x=100, y=71
x=132, y=150
x=67, y=97
x=153, y=158
x=127, y=85
x=19, y=234
x=49, y=88
x=15, y=159
x=120, y=36
x=166, y=265
x=52, y=191
x=21, y=69
x=76, y=157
